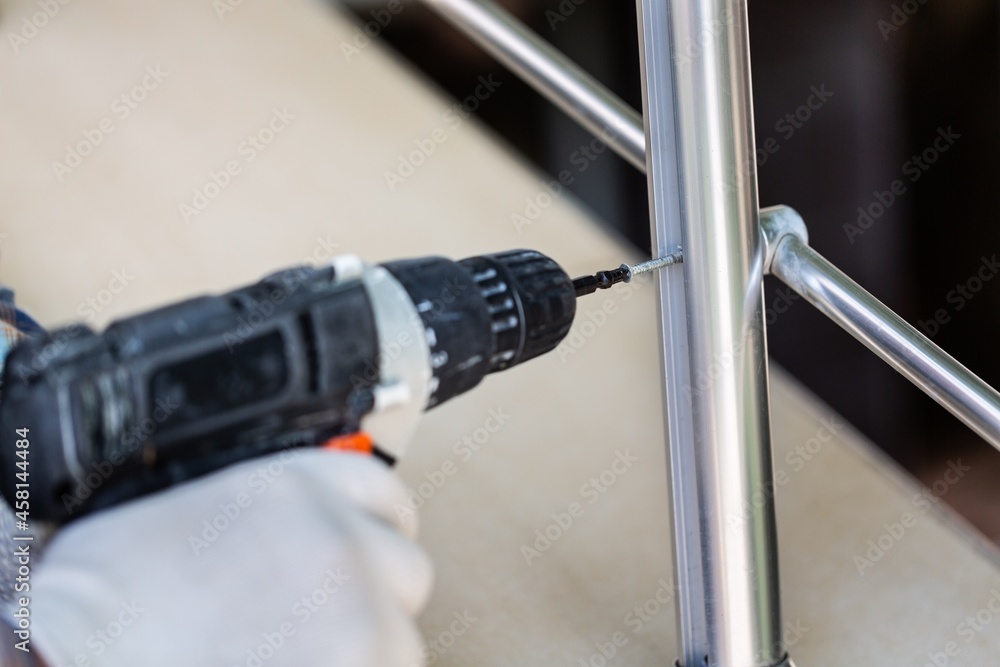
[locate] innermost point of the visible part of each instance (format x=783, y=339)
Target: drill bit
x=623, y=274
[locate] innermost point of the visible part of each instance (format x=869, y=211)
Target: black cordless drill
x=345, y=354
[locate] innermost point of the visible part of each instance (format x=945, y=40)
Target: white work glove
x=293, y=560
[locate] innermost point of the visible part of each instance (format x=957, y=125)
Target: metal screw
x=652, y=264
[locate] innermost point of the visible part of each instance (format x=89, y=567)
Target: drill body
x=304, y=357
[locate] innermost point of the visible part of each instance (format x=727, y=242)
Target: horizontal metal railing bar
x=551, y=73
x=885, y=333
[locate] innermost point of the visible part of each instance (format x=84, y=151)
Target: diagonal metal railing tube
x=549, y=72
x=789, y=257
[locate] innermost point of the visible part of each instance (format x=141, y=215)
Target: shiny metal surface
x=550, y=72
x=882, y=331
x=718, y=424
x=703, y=196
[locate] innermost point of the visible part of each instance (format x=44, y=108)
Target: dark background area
x=892, y=85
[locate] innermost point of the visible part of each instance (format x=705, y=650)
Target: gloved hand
x=296, y=559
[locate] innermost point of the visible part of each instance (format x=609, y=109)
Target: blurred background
x=850, y=98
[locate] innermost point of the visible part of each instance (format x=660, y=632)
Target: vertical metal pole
x=703, y=196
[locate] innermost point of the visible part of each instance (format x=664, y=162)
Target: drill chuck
x=486, y=313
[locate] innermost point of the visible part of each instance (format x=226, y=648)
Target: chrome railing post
x=699, y=158
x=703, y=195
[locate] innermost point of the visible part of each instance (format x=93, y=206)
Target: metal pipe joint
x=777, y=223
